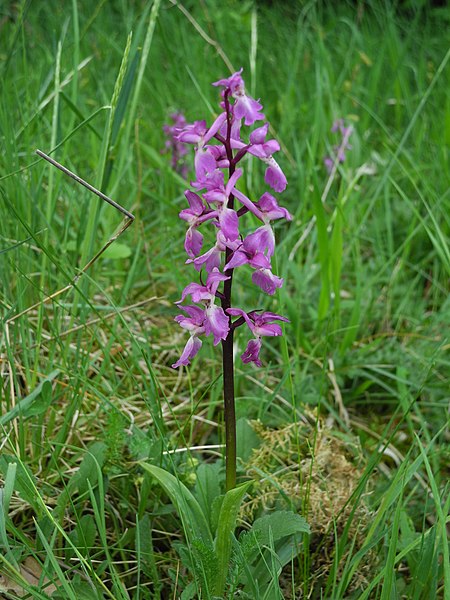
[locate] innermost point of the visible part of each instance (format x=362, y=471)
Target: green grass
x=87, y=389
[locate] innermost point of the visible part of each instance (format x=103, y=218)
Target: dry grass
x=313, y=470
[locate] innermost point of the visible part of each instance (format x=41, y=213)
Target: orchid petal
x=192, y=347
x=251, y=353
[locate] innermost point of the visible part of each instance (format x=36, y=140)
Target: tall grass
x=87, y=389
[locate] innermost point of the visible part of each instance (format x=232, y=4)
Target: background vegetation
x=347, y=421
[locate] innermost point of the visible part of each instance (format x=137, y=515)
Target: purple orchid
x=215, y=320
x=267, y=281
x=270, y=209
x=197, y=133
x=228, y=219
x=274, y=175
x=196, y=214
x=260, y=325
x=204, y=292
x=213, y=257
x=194, y=323
x=218, y=150
x=245, y=106
x=264, y=150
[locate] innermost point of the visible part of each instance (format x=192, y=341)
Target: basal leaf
x=188, y=508
x=279, y=525
x=225, y=530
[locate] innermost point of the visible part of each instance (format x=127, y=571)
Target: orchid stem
x=229, y=411
x=227, y=344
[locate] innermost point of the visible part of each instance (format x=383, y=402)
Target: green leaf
x=142, y=447
x=246, y=439
x=41, y=402
x=5, y=497
x=207, y=488
x=90, y=466
x=83, y=589
x=270, y=536
x=86, y=477
x=117, y=251
x=324, y=254
x=82, y=537
x=86, y=532
x=225, y=530
x=53, y=561
x=37, y=401
x=278, y=525
x=336, y=249
x=145, y=553
x=189, y=592
x=24, y=482
x=215, y=512
x=71, y=246
x=194, y=521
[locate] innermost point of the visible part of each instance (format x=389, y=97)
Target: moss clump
x=316, y=471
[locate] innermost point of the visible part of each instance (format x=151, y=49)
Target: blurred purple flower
x=338, y=153
x=173, y=146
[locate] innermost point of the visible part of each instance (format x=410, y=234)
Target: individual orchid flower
x=244, y=254
x=194, y=323
x=204, y=162
x=213, y=257
x=260, y=325
x=228, y=219
x=245, y=106
x=258, y=145
x=215, y=320
x=267, y=281
x=263, y=239
x=251, y=252
x=209, y=181
x=207, y=292
x=193, y=133
x=274, y=176
x=220, y=156
x=196, y=214
x=255, y=250
x=197, y=133
x=270, y=209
